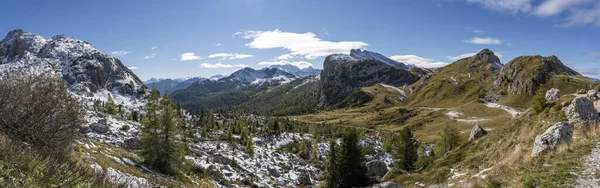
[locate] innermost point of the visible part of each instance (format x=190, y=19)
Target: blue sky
x=173, y=39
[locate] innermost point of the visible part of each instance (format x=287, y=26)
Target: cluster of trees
x=160, y=146
x=410, y=153
x=110, y=107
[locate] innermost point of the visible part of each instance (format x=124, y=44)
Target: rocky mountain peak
x=87, y=72
x=524, y=74
x=487, y=56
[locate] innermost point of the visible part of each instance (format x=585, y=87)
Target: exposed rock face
x=525, y=74
x=87, y=72
x=477, y=132
x=376, y=169
x=386, y=185
x=304, y=178
x=581, y=110
x=342, y=74
x=560, y=133
x=552, y=94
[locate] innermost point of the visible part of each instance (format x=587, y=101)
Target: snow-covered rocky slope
x=357, y=54
x=88, y=73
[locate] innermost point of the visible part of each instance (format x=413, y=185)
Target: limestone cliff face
x=342, y=74
x=523, y=75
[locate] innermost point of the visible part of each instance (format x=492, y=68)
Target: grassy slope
x=506, y=149
x=474, y=79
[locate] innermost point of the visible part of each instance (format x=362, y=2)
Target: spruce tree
x=149, y=141
x=250, y=146
x=406, y=150
x=353, y=172
x=332, y=168
x=172, y=149
x=111, y=107
x=159, y=145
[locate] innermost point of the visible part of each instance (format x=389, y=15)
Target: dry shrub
x=39, y=111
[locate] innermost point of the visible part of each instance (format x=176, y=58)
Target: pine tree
x=149, y=141
x=250, y=146
x=230, y=134
x=160, y=148
x=332, y=168
x=204, y=132
x=303, y=150
x=406, y=150
x=111, y=107
x=450, y=139
x=172, y=149
x=314, y=148
x=353, y=172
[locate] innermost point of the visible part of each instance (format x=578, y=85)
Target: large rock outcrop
x=525, y=74
x=581, y=110
x=559, y=133
x=342, y=74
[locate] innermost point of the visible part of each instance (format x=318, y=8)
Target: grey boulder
x=477, y=132
x=559, y=133
x=552, y=94
x=99, y=128
x=581, y=110
x=376, y=168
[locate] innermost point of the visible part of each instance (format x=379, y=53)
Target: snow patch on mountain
x=392, y=88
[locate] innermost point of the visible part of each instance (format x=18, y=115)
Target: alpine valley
x=364, y=120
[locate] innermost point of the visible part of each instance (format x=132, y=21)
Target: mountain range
x=503, y=106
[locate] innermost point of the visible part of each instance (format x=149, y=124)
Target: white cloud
x=230, y=56
x=301, y=44
x=189, y=56
x=571, y=12
x=418, y=61
x=217, y=44
x=465, y=55
x=154, y=48
x=485, y=40
x=461, y=56
x=509, y=6
x=220, y=65
x=132, y=68
x=579, y=17
x=120, y=53
x=285, y=56
x=299, y=64
x=150, y=56
x=554, y=7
